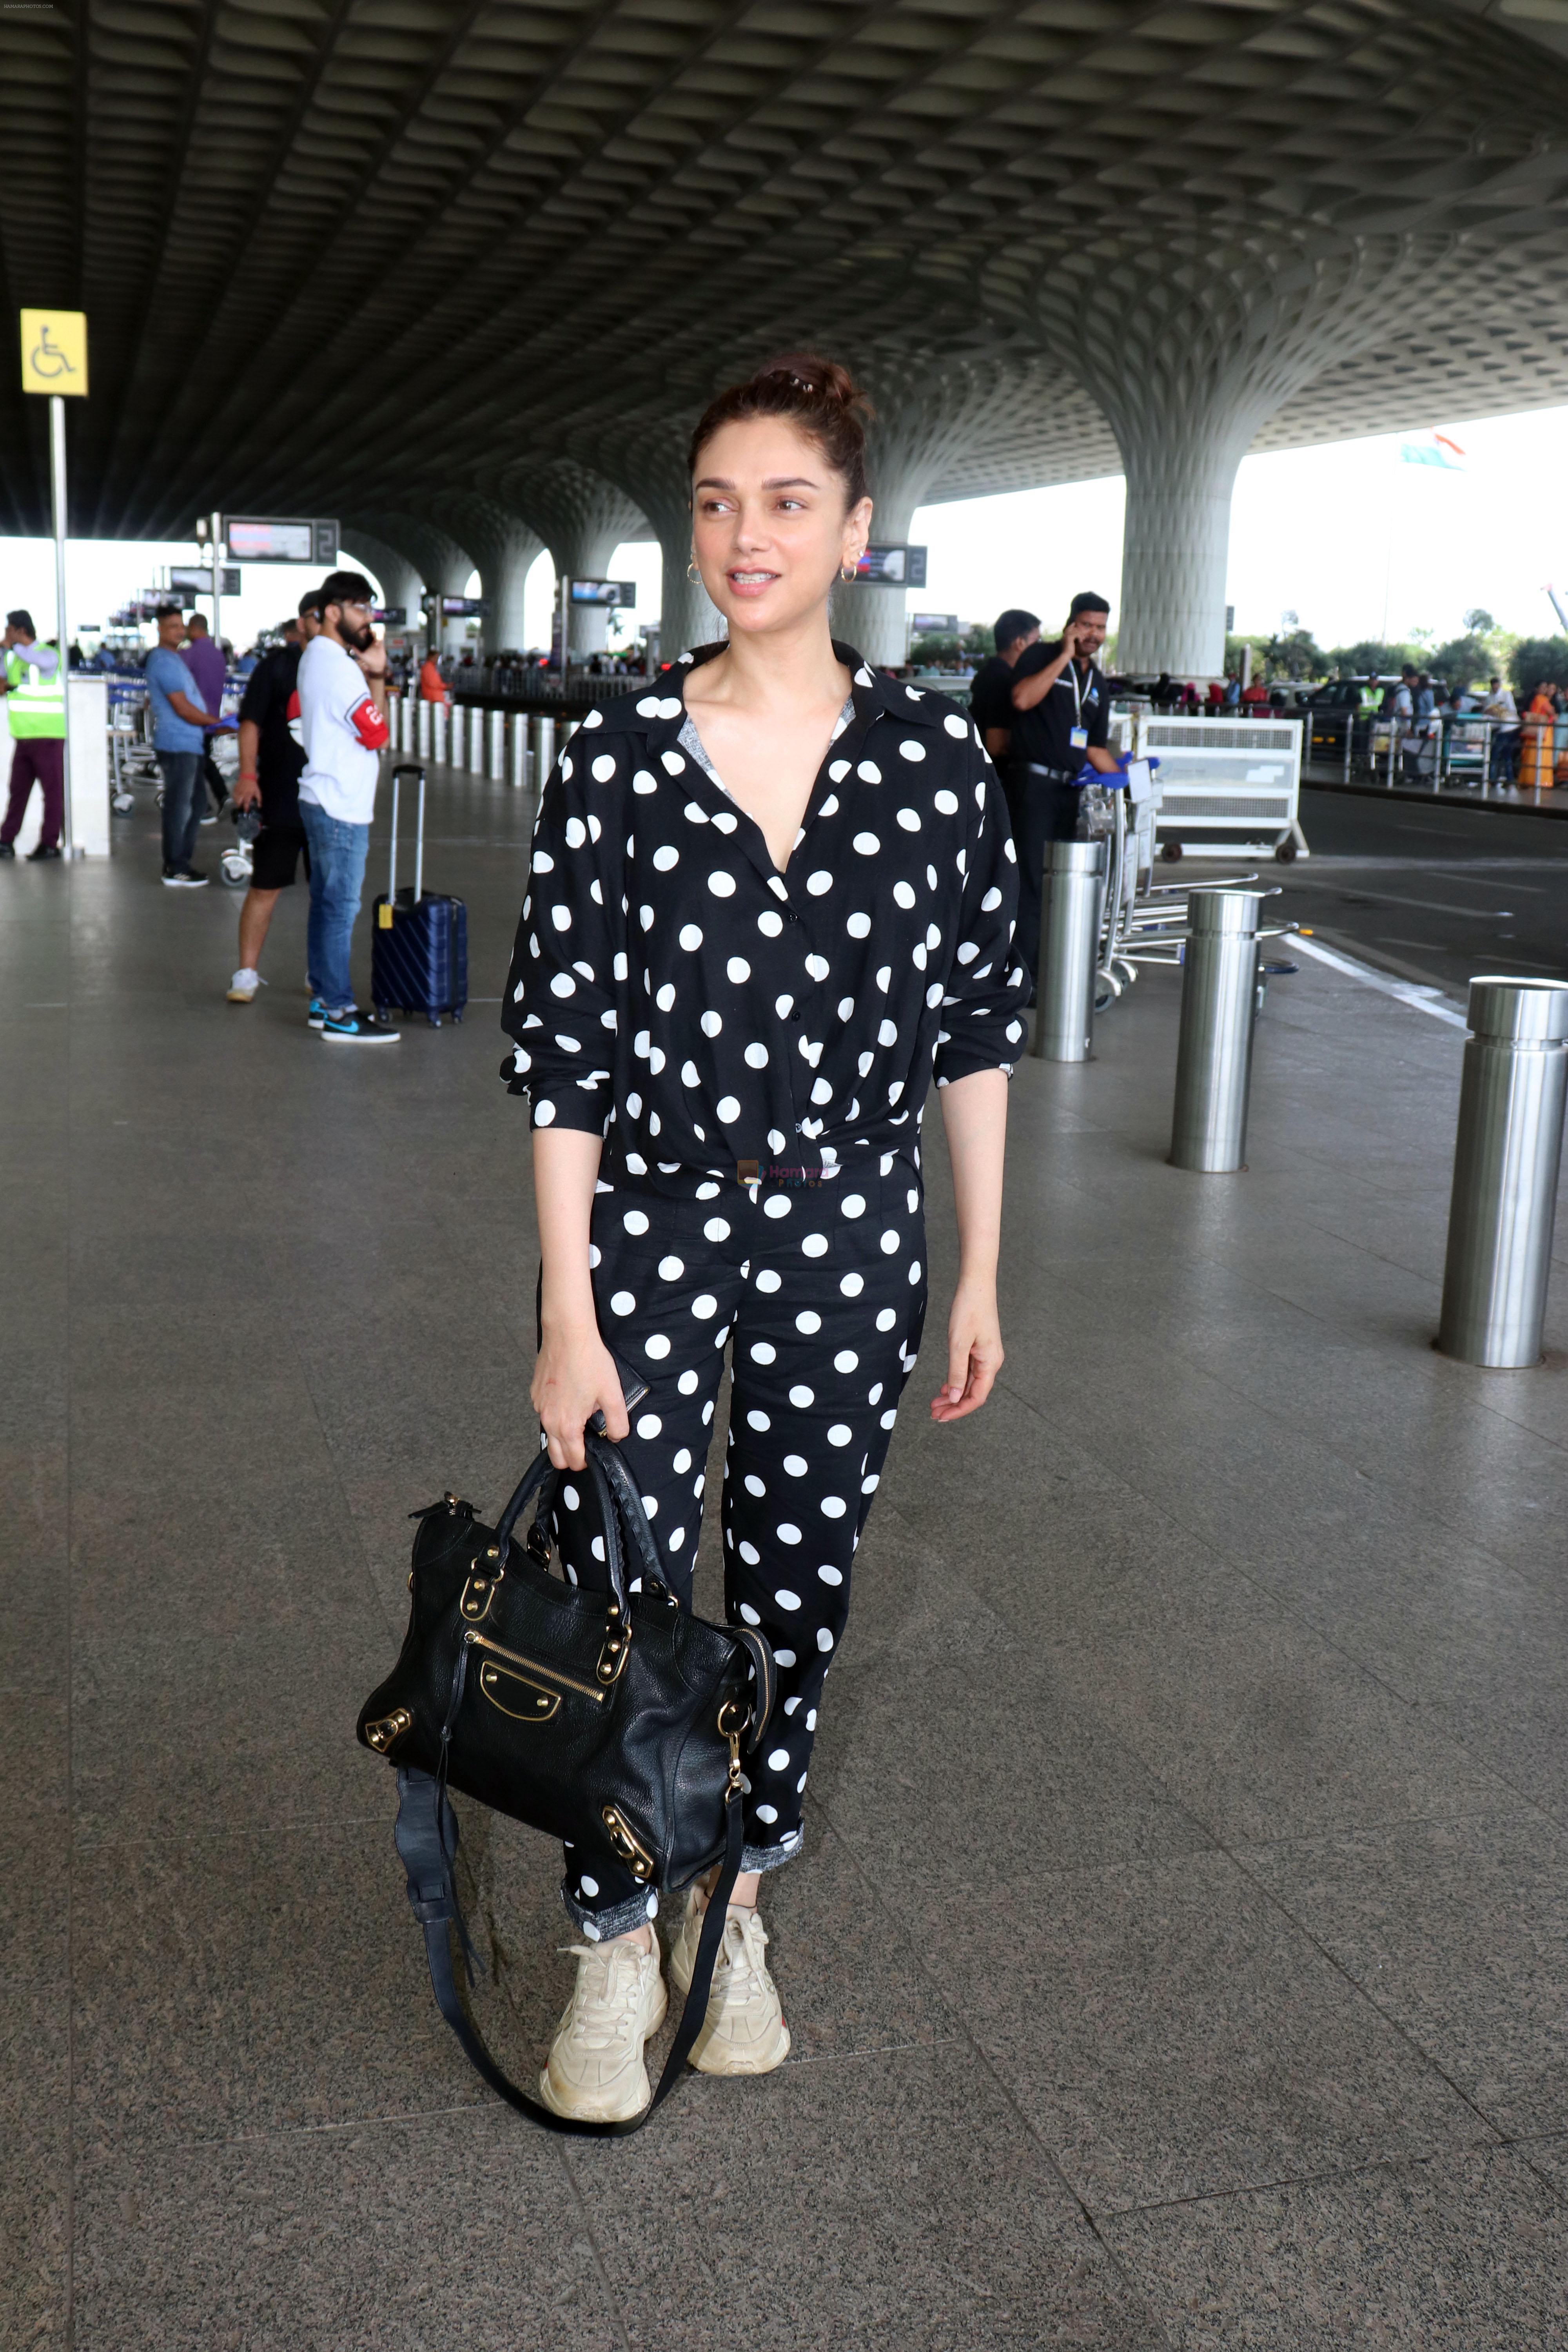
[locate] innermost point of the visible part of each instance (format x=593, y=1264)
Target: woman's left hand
x=974, y=1351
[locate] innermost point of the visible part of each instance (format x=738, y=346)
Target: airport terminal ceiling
x=351, y=256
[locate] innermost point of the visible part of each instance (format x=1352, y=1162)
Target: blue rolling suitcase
x=418, y=941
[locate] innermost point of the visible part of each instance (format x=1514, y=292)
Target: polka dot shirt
x=672, y=990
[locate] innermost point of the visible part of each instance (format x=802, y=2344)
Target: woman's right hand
x=575, y=1377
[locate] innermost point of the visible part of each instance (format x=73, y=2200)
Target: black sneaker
x=351, y=1028
x=182, y=877
x=43, y=851
x=7, y=850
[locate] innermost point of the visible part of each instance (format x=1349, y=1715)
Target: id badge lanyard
x=1078, y=738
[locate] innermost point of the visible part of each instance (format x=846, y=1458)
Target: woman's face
x=769, y=526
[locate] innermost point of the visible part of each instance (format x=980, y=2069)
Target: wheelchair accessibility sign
x=53, y=352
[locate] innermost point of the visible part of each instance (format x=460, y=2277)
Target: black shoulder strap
x=433, y=1896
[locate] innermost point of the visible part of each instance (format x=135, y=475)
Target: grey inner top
x=690, y=741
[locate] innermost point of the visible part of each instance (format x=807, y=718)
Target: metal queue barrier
x=493, y=743
x=1507, y=1156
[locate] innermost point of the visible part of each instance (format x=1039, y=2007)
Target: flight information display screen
x=260, y=539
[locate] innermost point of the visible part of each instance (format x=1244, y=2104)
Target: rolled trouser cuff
x=614, y=1920
x=761, y=1858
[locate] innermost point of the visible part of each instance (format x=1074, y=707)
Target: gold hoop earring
x=847, y=572
x=692, y=573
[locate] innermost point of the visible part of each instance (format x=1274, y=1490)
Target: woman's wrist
x=568, y=1319
x=977, y=1273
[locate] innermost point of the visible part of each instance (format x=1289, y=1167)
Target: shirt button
x=795, y=1016
x=791, y=915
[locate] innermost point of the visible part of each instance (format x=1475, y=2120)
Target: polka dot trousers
x=818, y=1289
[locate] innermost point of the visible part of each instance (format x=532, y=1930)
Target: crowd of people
x=312, y=723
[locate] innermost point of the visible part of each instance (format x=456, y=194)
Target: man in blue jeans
x=341, y=689
x=178, y=743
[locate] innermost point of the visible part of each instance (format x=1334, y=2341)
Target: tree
x=1295, y=654
x=1369, y=658
x=934, y=646
x=1462, y=661
x=1533, y=658
x=1480, y=623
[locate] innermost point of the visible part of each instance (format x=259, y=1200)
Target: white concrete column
x=505, y=549
x=1189, y=342
x=583, y=516
x=400, y=581
x=653, y=472
x=926, y=421
x=1174, y=550
x=444, y=565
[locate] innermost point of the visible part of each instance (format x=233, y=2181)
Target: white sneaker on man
x=596, y=2072
x=744, y=2032
x=242, y=988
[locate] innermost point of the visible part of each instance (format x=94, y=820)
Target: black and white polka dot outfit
x=755, y=1048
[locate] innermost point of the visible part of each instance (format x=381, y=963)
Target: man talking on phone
x=1062, y=718
x=341, y=689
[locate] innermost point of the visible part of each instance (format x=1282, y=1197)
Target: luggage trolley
x=1239, y=778
x=131, y=759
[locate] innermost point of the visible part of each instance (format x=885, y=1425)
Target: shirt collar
x=659, y=709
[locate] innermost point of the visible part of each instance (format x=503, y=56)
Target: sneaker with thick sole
x=356, y=1029
x=242, y=988
x=744, y=2032
x=596, y=2072
x=44, y=851
x=183, y=877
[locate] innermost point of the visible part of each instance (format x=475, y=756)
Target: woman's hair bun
x=818, y=396
x=822, y=379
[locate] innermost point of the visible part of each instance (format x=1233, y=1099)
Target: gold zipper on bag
x=532, y=1666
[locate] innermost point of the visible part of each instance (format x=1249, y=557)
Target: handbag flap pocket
x=518, y=1694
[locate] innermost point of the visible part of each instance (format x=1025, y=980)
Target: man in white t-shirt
x=1503, y=710
x=343, y=727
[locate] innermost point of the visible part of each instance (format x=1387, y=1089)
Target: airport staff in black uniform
x=991, y=695
x=1062, y=718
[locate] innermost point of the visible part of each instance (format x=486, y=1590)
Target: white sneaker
x=744, y=2032
x=242, y=988
x=594, y=2072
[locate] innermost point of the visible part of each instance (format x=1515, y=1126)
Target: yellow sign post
x=54, y=352
x=54, y=360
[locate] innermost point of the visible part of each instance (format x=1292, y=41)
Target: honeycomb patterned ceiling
x=347, y=255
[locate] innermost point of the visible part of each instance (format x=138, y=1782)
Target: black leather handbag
x=613, y=1719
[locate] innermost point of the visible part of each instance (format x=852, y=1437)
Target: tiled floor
x=1180, y=1954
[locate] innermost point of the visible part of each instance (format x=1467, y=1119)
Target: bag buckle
x=628, y=1847
x=387, y=1730
x=618, y=1647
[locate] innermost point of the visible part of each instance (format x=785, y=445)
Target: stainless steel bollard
x=541, y=744
x=1506, y=1161
x=439, y=724
x=496, y=768
x=1074, y=886
x=422, y=718
x=517, y=752
x=1213, y=1051
x=457, y=727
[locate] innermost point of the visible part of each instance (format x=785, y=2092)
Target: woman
x=768, y=899
x=1537, y=765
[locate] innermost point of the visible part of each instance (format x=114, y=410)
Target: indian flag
x=1433, y=449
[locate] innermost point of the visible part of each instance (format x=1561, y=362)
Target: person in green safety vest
x=34, y=689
